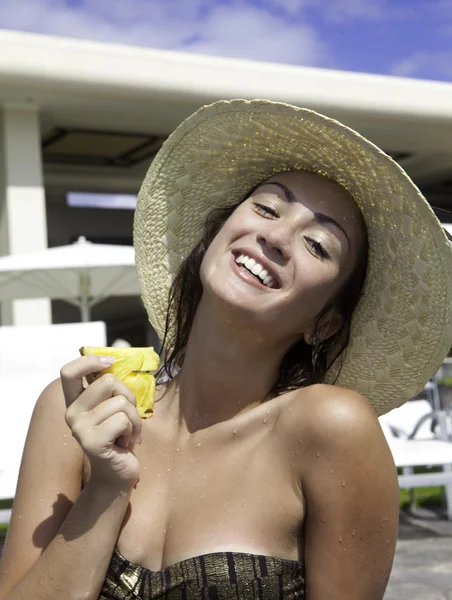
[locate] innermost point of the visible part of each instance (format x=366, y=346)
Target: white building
x=88, y=117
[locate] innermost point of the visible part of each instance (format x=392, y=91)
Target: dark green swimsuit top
x=216, y=576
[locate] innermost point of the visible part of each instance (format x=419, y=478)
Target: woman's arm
x=60, y=540
x=350, y=484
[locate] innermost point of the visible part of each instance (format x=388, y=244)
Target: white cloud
x=235, y=29
x=425, y=64
x=259, y=35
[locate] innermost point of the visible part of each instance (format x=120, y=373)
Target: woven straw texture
x=402, y=328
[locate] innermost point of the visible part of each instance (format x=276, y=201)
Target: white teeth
x=255, y=268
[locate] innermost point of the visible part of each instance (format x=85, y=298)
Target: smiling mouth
x=257, y=270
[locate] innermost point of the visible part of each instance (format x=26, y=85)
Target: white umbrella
x=82, y=274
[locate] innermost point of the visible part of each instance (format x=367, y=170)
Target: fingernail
x=107, y=360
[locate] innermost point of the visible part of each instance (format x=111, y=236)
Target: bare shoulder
x=51, y=471
x=332, y=418
x=349, y=481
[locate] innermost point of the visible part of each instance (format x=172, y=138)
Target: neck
x=228, y=369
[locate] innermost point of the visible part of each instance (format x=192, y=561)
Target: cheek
x=316, y=283
x=213, y=255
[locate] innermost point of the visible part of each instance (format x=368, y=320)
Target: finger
x=109, y=407
x=72, y=374
x=115, y=427
x=106, y=386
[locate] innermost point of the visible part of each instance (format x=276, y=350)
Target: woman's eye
x=265, y=210
x=317, y=248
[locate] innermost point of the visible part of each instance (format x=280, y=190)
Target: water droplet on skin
x=331, y=471
x=353, y=532
x=323, y=520
x=145, y=468
x=164, y=530
x=188, y=437
x=160, y=515
x=167, y=470
x=158, y=494
x=205, y=416
x=300, y=441
x=196, y=414
x=198, y=444
x=235, y=431
x=201, y=497
x=317, y=454
x=343, y=484
x=268, y=412
x=340, y=540
x=296, y=453
x=177, y=449
x=238, y=402
x=264, y=421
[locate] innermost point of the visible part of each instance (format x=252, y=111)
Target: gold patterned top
x=216, y=576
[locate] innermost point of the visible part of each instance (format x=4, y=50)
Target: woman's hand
x=104, y=420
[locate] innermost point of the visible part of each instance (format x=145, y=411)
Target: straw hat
x=402, y=327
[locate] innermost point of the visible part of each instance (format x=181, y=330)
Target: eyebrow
x=320, y=218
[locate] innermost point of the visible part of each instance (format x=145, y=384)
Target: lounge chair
x=411, y=453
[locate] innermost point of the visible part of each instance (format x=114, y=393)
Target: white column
x=23, y=223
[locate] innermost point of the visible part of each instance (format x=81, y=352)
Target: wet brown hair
x=303, y=364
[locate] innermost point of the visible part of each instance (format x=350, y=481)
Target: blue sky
x=410, y=38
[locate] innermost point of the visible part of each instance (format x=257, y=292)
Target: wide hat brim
x=402, y=327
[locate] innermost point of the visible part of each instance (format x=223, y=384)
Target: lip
x=248, y=276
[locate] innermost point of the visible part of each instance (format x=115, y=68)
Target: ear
x=329, y=324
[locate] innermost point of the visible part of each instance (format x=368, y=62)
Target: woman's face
x=284, y=252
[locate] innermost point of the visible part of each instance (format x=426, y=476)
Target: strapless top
x=215, y=576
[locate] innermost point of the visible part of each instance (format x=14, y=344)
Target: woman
x=263, y=472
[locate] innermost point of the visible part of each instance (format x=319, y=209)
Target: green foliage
x=428, y=497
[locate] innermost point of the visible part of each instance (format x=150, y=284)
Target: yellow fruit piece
x=133, y=366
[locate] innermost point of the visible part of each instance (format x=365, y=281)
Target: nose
x=276, y=240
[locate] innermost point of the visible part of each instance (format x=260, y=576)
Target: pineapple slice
x=133, y=366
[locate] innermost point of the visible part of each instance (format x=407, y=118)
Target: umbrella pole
x=84, y=284
x=85, y=310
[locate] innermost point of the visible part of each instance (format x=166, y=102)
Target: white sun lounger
x=411, y=420
x=411, y=453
